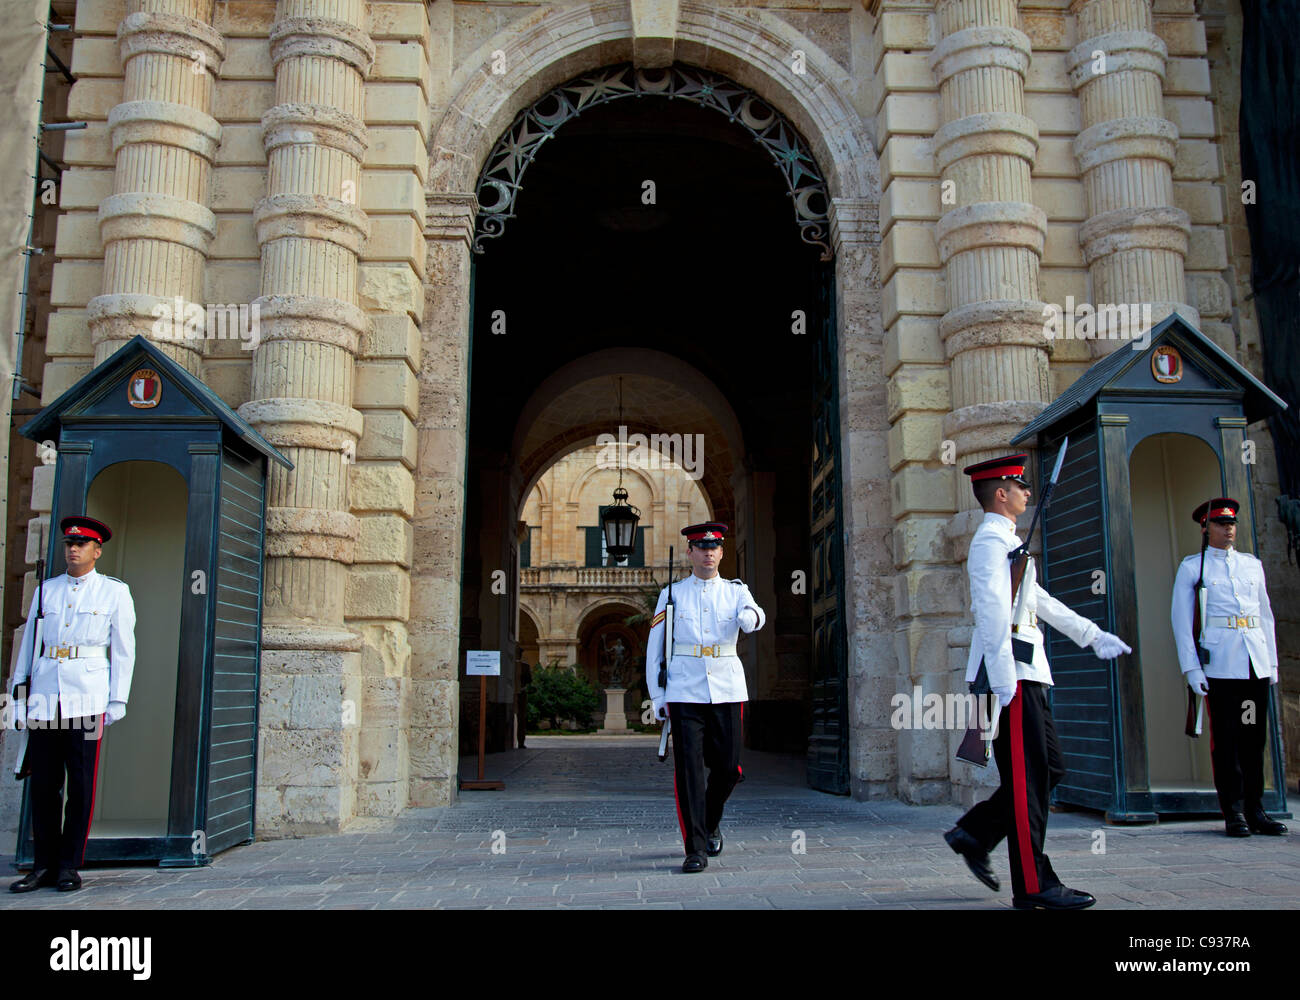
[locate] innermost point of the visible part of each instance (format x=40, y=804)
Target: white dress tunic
x=989, y=569
x=707, y=613
x=92, y=610
x=1234, y=588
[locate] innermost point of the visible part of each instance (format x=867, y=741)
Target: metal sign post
x=486, y=663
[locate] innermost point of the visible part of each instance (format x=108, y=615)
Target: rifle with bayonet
x=24, y=767
x=976, y=747
x=1192, y=727
x=669, y=609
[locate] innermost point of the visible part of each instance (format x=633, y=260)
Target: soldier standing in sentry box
x=66, y=694
x=706, y=691
x=1239, y=663
x=1025, y=747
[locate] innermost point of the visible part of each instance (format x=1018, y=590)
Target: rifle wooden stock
x=1018, y=567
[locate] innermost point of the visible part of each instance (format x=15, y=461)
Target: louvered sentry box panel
x=1074, y=552
x=232, y=738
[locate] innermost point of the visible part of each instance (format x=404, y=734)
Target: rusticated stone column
x=311, y=231
x=991, y=240
x=156, y=226
x=1135, y=240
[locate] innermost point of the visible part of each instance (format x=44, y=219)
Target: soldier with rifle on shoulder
x=698, y=685
x=1227, y=649
x=1007, y=647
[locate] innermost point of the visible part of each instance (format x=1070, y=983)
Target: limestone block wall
x=1163, y=156
x=357, y=253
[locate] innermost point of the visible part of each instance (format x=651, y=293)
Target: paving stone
x=592, y=828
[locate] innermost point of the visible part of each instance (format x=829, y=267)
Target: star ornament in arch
x=601, y=88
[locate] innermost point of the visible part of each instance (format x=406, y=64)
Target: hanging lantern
x=618, y=523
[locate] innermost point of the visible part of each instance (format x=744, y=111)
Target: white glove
x=20, y=712
x=1005, y=695
x=1196, y=680
x=661, y=710
x=1108, y=647
x=747, y=619
x=116, y=709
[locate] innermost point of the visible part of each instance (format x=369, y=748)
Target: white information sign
x=483, y=662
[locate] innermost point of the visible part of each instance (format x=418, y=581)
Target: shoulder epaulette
x=738, y=583
x=113, y=578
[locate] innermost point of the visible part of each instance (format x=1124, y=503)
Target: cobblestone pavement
x=589, y=822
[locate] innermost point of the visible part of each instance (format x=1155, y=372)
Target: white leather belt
x=76, y=652
x=1220, y=621
x=718, y=649
x=1032, y=623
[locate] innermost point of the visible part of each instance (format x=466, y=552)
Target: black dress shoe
x=34, y=879
x=695, y=863
x=69, y=880
x=977, y=859
x=1058, y=897
x=1259, y=822
x=1234, y=825
x=713, y=847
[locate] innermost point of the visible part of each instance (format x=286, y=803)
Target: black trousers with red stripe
x=704, y=736
x=1030, y=765
x=1237, y=745
x=59, y=751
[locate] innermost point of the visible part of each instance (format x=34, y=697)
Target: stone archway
x=542, y=51
x=547, y=428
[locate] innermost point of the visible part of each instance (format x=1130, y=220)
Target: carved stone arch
x=503, y=175
x=751, y=48
x=540, y=485
x=534, y=616
x=596, y=605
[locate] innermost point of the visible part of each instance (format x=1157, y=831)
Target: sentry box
x=153, y=452
x=1156, y=428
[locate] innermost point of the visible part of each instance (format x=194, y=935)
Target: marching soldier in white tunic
x=1008, y=644
x=1237, y=632
x=706, y=689
x=78, y=684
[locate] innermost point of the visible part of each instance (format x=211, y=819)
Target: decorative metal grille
x=502, y=179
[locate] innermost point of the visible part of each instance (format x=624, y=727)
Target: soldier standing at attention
x=78, y=684
x=1238, y=634
x=706, y=691
x=1025, y=747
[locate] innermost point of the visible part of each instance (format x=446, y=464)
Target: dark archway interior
x=711, y=272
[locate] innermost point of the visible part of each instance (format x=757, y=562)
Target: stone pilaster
x=382, y=482
x=156, y=226
x=1135, y=239
x=440, y=499
x=311, y=230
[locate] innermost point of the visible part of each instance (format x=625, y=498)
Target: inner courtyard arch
x=652, y=257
